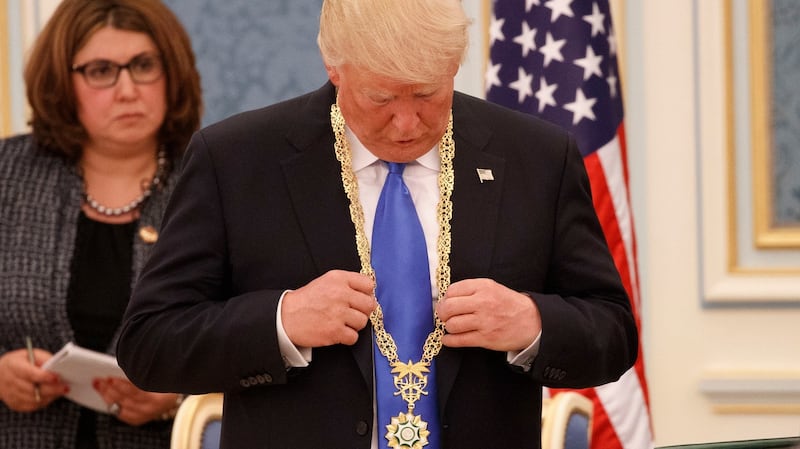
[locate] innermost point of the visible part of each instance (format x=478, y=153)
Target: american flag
x=557, y=59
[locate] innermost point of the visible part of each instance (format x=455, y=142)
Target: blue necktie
x=400, y=261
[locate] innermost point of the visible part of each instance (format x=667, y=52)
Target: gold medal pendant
x=407, y=431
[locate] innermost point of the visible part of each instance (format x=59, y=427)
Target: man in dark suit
x=261, y=285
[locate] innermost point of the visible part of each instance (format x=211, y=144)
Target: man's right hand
x=329, y=310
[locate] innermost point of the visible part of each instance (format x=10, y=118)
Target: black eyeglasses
x=144, y=68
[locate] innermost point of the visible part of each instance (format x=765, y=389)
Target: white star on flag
x=590, y=63
x=581, y=108
x=612, y=43
x=522, y=85
x=496, y=30
x=597, y=20
x=492, y=75
x=559, y=8
x=545, y=94
x=526, y=39
x=552, y=49
x=529, y=4
x=611, y=79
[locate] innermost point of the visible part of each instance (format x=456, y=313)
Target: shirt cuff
x=524, y=358
x=293, y=356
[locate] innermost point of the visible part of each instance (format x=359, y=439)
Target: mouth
x=405, y=142
x=129, y=116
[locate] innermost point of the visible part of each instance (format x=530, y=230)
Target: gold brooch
x=148, y=234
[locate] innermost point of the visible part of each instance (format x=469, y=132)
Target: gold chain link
x=383, y=339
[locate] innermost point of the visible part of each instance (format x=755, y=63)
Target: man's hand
x=329, y=310
x=483, y=313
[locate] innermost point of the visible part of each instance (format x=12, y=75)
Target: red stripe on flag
x=604, y=207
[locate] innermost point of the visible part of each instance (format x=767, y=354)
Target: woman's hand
x=132, y=405
x=19, y=380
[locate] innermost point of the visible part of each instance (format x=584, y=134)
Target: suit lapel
x=313, y=178
x=475, y=210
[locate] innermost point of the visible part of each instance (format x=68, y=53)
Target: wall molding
x=772, y=393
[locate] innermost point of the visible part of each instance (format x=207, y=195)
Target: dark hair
x=48, y=77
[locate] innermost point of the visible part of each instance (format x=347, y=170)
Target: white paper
x=78, y=367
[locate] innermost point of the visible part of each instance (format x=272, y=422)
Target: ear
x=333, y=74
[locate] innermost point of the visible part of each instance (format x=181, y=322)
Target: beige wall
x=696, y=342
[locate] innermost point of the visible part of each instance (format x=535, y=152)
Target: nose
x=406, y=116
x=125, y=85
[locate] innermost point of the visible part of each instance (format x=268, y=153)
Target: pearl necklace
x=161, y=160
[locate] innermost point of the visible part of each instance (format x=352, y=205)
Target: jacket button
x=244, y=383
x=362, y=428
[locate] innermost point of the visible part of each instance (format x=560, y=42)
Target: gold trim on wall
x=767, y=235
x=5, y=86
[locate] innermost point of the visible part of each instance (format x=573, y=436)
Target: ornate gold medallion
x=410, y=380
x=407, y=431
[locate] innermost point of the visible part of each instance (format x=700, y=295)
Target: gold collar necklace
x=406, y=429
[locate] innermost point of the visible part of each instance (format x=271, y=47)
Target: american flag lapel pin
x=485, y=174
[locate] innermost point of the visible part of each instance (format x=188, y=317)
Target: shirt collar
x=363, y=158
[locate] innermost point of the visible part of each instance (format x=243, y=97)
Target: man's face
x=398, y=122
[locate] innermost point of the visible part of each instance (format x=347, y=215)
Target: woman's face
x=126, y=114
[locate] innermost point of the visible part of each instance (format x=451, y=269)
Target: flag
x=557, y=59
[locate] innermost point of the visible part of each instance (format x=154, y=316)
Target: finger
x=363, y=303
x=355, y=319
x=465, y=287
x=51, y=392
x=460, y=324
x=361, y=283
x=347, y=336
x=455, y=306
x=101, y=385
x=122, y=387
x=461, y=340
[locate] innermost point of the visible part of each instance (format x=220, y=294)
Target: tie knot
x=396, y=167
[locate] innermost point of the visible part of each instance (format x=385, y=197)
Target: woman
x=115, y=97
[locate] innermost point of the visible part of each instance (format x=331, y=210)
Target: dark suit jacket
x=260, y=208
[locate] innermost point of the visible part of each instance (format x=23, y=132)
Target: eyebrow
x=138, y=55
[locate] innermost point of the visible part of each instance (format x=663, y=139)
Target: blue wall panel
x=252, y=53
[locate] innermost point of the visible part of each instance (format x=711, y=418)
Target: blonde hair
x=418, y=41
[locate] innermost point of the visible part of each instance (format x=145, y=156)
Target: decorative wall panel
x=252, y=53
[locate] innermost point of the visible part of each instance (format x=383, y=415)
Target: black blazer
x=260, y=208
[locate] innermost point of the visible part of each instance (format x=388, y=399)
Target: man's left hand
x=483, y=313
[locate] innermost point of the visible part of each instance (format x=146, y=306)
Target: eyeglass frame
x=156, y=57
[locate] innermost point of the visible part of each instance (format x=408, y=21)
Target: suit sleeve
x=589, y=336
x=218, y=340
